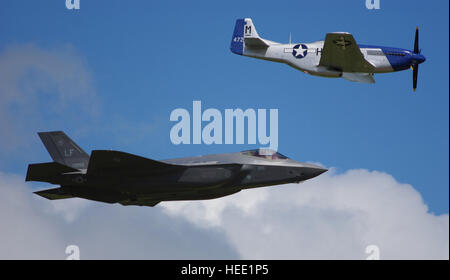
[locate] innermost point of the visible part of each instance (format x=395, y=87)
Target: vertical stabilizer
x=63, y=150
x=246, y=39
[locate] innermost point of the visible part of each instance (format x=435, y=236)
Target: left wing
x=124, y=164
x=340, y=51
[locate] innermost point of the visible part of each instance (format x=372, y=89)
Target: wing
x=53, y=194
x=359, y=77
x=124, y=164
x=140, y=202
x=340, y=51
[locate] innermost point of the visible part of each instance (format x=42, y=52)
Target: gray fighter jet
x=118, y=177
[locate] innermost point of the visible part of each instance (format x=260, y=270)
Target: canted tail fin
x=245, y=37
x=63, y=150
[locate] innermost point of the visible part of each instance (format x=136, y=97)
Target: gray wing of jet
x=340, y=51
x=124, y=164
x=106, y=162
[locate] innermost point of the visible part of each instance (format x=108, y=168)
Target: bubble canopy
x=264, y=153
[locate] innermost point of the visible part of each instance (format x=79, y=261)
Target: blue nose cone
x=417, y=58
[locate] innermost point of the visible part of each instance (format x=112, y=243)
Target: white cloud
x=54, y=89
x=40, y=87
x=334, y=216
x=35, y=228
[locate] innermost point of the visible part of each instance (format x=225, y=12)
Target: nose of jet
x=317, y=171
x=314, y=171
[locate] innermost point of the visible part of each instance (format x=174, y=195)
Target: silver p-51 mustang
x=338, y=56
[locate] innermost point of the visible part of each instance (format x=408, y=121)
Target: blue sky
x=147, y=58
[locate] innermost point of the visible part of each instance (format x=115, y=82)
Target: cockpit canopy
x=264, y=153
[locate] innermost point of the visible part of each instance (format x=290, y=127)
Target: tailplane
x=47, y=172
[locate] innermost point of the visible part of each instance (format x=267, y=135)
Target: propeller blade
x=416, y=41
x=415, y=73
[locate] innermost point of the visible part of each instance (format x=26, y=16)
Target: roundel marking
x=300, y=51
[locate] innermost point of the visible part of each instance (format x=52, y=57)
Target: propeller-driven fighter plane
x=118, y=177
x=338, y=56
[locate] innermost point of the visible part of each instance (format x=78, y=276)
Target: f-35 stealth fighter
x=118, y=177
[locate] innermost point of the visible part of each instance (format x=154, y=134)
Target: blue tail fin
x=237, y=42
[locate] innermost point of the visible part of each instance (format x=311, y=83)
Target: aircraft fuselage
x=118, y=177
x=384, y=59
x=339, y=55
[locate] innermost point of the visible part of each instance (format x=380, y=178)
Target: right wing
x=140, y=202
x=359, y=77
x=106, y=162
x=61, y=193
x=340, y=51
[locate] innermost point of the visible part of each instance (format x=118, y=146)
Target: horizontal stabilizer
x=255, y=43
x=44, y=172
x=53, y=194
x=120, y=163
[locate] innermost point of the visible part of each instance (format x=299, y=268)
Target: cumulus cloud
x=54, y=89
x=41, y=86
x=334, y=216
x=36, y=228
